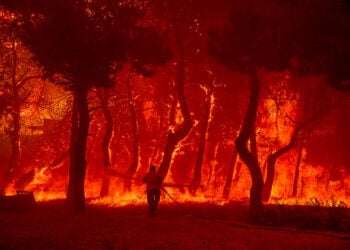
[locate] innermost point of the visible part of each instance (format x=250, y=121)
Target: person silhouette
x=153, y=184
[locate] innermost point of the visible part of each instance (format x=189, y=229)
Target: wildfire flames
x=314, y=184
x=147, y=112
x=324, y=193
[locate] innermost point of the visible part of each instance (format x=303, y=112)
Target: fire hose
x=243, y=225
x=256, y=227
x=172, y=198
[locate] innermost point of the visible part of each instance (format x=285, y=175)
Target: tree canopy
x=86, y=42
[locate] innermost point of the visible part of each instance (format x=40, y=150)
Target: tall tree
x=274, y=36
x=104, y=97
x=17, y=72
x=81, y=44
x=252, y=41
x=271, y=161
x=197, y=176
x=178, y=19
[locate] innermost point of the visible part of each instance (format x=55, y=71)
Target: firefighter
x=153, y=184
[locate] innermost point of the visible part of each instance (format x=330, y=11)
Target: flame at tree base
x=323, y=192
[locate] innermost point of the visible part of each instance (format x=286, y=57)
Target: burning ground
x=192, y=226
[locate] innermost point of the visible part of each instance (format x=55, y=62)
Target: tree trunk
x=77, y=168
x=229, y=176
x=174, y=137
x=271, y=162
x=296, y=172
x=15, y=135
x=15, y=132
x=197, y=176
x=135, y=143
x=106, y=141
x=256, y=205
x=252, y=143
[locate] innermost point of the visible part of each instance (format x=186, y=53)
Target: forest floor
x=190, y=226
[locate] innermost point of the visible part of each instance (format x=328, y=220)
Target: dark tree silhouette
x=188, y=23
x=271, y=161
x=297, y=170
x=178, y=20
x=104, y=96
x=322, y=41
x=274, y=36
x=81, y=44
x=252, y=41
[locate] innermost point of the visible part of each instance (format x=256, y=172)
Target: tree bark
x=77, y=168
x=106, y=142
x=256, y=205
x=174, y=137
x=271, y=162
x=253, y=144
x=297, y=170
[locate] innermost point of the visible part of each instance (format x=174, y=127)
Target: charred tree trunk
x=256, y=205
x=135, y=144
x=271, y=162
x=77, y=168
x=197, y=176
x=72, y=151
x=253, y=144
x=297, y=169
x=106, y=142
x=229, y=176
x=15, y=135
x=15, y=132
x=174, y=137
x=15, y=142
